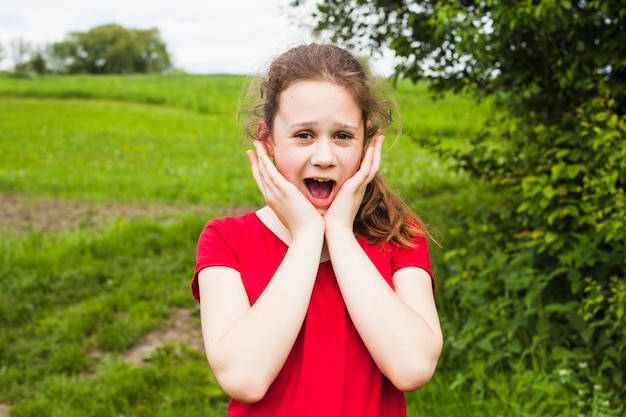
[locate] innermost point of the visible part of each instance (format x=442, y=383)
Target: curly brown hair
x=383, y=215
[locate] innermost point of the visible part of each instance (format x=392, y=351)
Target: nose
x=323, y=153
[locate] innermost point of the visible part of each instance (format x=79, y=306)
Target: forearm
x=247, y=356
x=403, y=343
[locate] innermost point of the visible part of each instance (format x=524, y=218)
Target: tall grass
x=73, y=302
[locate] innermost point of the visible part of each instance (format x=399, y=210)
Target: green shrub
x=539, y=277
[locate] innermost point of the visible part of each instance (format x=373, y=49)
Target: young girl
x=320, y=303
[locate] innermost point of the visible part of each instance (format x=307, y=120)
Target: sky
x=204, y=37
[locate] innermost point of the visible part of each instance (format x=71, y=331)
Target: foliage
x=539, y=275
x=111, y=49
x=38, y=62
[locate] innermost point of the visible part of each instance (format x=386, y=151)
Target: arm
x=400, y=329
x=247, y=345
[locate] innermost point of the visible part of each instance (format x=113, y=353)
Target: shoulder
x=230, y=224
x=229, y=221
x=399, y=256
x=224, y=232
x=418, y=245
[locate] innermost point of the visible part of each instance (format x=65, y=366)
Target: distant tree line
x=105, y=49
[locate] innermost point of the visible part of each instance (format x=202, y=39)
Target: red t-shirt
x=329, y=371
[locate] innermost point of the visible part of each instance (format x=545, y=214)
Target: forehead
x=318, y=97
x=300, y=85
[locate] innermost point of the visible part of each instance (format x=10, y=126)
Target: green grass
x=452, y=117
x=105, y=150
x=127, y=150
x=73, y=302
x=215, y=94
x=172, y=384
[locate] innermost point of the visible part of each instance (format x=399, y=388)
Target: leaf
x=550, y=237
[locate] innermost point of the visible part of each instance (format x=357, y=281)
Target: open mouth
x=319, y=187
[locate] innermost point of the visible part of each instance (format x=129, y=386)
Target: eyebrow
x=335, y=125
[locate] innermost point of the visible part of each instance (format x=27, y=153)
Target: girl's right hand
x=292, y=208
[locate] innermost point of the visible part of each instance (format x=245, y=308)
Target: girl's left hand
x=345, y=206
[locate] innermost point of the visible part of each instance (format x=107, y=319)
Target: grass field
x=75, y=301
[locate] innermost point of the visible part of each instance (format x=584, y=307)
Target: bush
x=539, y=277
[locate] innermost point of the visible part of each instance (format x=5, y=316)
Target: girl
x=320, y=303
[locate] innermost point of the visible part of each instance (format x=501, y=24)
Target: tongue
x=320, y=189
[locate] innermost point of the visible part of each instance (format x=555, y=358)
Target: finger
x=276, y=186
x=367, y=166
x=256, y=174
x=267, y=171
x=262, y=160
x=376, y=157
x=373, y=158
x=254, y=164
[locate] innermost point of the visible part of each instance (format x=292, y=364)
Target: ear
x=263, y=136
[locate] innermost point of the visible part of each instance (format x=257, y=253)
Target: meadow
x=74, y=301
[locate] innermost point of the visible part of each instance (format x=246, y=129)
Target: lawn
x=75, y=301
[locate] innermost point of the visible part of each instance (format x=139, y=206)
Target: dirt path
x=181, y=327
x=19, y=214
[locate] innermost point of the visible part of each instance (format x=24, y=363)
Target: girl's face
x=317, y=139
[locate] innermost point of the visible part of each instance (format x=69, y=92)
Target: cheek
x=350, y=167
x=286, y=166
x=356, y=166
x=353, y=163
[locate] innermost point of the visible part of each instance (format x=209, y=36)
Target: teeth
x=320, y=180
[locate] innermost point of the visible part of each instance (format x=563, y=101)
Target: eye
x=343, y=136
x=303, y=135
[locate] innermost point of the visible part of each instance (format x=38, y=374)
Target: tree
x=111, y=49
x=20, y=51
x=548, y=258
x=38, y=62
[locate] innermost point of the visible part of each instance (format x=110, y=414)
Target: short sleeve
x=417, y=256
x=214, y=249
